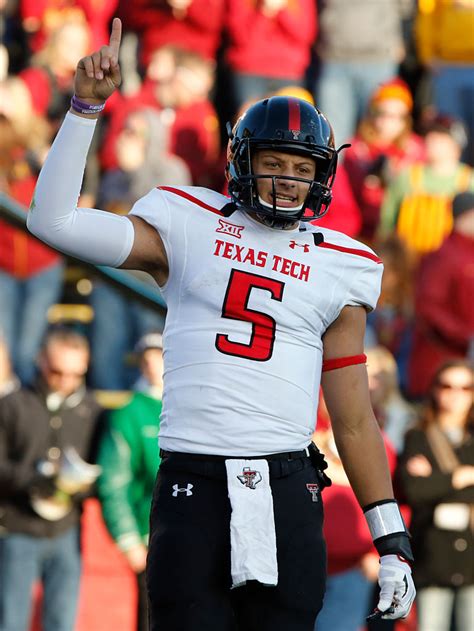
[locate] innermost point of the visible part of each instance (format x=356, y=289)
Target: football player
x=261, y=303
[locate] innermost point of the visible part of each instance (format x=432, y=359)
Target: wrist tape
x=388, y=529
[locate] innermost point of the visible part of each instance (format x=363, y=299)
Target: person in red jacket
x=180, y=91
x=444, y=311
x=345, y=214
x=31, y=274
x=195, y=25
x=41, y=17
x=51, y=73
x=383, y=145
x=269, y=45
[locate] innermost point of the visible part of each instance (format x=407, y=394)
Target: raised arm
x=92, y=235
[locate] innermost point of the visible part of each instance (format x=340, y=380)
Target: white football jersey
x=247, y=308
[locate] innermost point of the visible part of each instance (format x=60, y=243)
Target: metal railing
x=124, y=281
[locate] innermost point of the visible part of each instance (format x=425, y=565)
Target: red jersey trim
x=342, y=362
x=341, y=248
x=190, y=198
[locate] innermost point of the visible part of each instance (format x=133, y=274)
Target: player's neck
x=270, y=223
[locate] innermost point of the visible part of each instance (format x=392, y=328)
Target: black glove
x=320, y=464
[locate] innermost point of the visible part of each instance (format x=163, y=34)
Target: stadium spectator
x=41, y=17
x=180, y=91
x=444, y=317
x=360, y=46
x=268, y=46
x=195, y=25
x=13, y=37
x=16, y=105
x=444, y=37
x=8, y=380
x=51, y=73
x=437, y=474
x=417, y=205
x=31, y=274
x=242, y=375
x=391, y=324
x=344, y=215
x=129, y=458
x=40, y=528
x=383, y=146
x=144, y=161
x=393, y=413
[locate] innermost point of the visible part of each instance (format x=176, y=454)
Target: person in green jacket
x=129, y=457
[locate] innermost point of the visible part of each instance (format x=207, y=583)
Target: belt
x=286, y=455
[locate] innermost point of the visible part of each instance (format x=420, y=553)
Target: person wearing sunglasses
x=437, y=476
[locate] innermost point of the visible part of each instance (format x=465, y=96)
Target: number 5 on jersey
x=262, y=339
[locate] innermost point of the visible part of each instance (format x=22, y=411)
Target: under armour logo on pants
x=187, y=490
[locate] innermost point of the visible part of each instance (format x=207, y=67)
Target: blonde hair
x=47, y=55
x=388, y=367
x=33, y=130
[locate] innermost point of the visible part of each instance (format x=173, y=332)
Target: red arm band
x=341, y=362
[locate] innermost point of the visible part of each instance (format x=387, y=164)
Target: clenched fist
x=98, y=75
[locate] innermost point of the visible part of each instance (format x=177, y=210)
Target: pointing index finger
x=115, y=37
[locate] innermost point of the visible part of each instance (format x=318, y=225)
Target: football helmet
x=289, y=125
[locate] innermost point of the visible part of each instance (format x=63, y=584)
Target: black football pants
x=188, y=572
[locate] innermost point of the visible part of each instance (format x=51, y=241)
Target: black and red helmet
x=290, y=125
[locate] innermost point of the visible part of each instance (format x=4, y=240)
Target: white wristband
x=384, y=519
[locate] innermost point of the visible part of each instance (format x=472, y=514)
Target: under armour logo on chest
x=293, y=244
x=187, y=489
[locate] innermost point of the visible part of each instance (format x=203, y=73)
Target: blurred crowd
x=396, y=80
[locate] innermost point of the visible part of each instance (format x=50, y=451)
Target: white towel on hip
x=252, y=522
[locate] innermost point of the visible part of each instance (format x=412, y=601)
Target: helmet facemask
x=244, y=190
